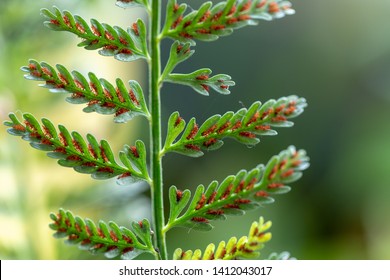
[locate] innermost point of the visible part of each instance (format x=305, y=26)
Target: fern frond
x=245, y=126
x=247, y=247
x=201, y=81
x=210, y=22
x=110, y=239
x=72, y=150
x=237, y=193
x=100, y=95
x=178, y=53
x=114, y=41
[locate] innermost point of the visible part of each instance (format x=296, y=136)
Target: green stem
x=156, y=162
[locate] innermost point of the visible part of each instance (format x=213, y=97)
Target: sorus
x=123, y=41
x=133, y=97
x=67, y=21
x=287, y=173
x=209, y=142
x=124, y=175
x=95, y=31
x=227, y=192
x=212, y=198
x=247, y=134
x=179, y=195
x=202, y=77
x=178, y=121
x=192, y=147
x=19, y=127
x=105, y=169
x=201, y=202
x=126, y=51
x=119, y=95
x=199, y=220
x=193, y=132
x=80, y=28
x=209, y=130
x=261, y=194
x=135, y=28
x=134, y=151
x=273, y=7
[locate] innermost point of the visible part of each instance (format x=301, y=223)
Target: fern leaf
x=100, y=95
x=72, y=150
x=245, y=126
x=247, y=247
x=210, y=21
x=110, y=239
x=236, y=194
x=201, y=81
x=114, y=41
x=178, y=53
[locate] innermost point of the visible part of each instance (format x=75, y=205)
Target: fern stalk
x=155, y=134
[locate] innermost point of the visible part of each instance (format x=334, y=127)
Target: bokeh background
x=336, y=54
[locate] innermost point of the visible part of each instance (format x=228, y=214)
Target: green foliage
x=179, y=52
x=233, y=196
x=110, y=239
x=100, y=95
x=245, y=126
x=111, y=40
x=72, y=150
x=247, y=247
x=209, y=22
x=236, y=194
x=201, y=81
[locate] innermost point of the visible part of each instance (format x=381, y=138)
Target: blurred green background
x=336, y=54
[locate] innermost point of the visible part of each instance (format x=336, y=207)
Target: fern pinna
x=246, y=190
